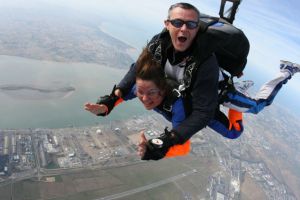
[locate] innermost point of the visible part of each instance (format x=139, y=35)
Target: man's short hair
x=183, y=6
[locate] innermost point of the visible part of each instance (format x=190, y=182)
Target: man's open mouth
x=182, y=39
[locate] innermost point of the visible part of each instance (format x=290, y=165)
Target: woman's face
x=148, y=93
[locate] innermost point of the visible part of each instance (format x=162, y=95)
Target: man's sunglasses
x=178, y=23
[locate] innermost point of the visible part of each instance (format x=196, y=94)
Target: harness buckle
x=176, y=93
x=167, y=107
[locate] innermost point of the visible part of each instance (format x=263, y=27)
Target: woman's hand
x=95, y=108
x=118, y=93
x=142, y=145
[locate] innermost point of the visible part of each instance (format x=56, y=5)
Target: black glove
x=158, y=147
x=109, y=101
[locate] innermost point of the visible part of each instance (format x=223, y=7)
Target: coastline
x=36, y=92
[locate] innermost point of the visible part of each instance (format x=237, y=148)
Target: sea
x=30, y=107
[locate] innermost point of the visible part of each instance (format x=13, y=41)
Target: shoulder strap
x=157, y=45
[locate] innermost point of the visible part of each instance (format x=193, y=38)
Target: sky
x=271, y=26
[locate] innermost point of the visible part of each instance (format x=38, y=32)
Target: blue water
x=89, y=81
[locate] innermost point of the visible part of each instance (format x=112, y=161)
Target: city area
x=237, y=167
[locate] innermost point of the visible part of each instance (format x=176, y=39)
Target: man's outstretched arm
x=204, y=99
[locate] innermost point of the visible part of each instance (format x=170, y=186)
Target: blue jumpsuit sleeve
x=224, y=131
x=131, y=93
x=128, y=81
x=178, y=112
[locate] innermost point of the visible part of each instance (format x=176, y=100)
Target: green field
x=93, y=184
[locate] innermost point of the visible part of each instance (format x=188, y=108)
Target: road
x=148, y=187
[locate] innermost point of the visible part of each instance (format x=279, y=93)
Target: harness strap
x=226, y=86
x=175, y=94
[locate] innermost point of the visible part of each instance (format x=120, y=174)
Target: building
x=3, y=164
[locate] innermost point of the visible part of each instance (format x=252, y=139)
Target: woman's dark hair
x=147, y=68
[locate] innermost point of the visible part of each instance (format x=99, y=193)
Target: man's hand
x=157, y=148
x=95, y=108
